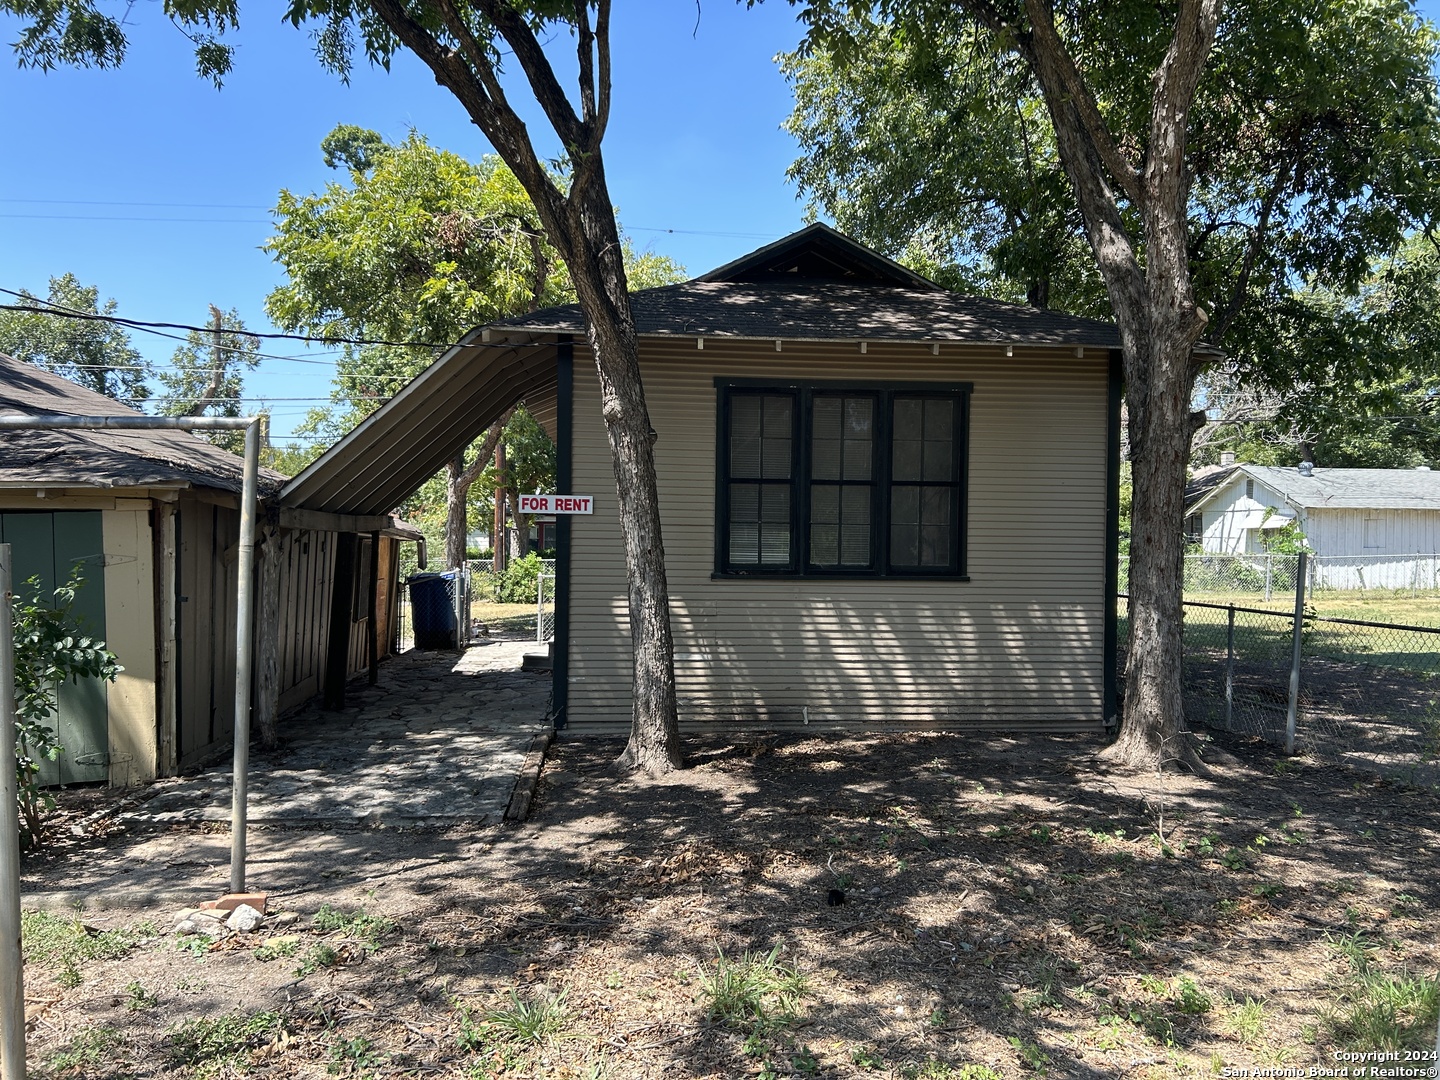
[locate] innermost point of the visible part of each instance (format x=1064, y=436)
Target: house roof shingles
x=103, y=458
x=827, y=310
x=1352, y=489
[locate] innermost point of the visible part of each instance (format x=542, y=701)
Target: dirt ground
x=909, y=905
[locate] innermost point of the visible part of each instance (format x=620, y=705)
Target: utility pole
x=498, y=538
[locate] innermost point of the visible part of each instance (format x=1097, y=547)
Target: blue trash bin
x=432, y=607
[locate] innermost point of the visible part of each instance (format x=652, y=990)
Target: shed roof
x=104, y=458
x=1349, y=489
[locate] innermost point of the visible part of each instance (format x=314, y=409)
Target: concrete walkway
x=441, y=738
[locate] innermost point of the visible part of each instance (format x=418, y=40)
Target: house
x=151, y=518
x=882, y=502
x=1372, y=520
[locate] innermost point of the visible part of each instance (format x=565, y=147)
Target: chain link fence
x=1328, y=578
x=1366, y=692
x=545, y=602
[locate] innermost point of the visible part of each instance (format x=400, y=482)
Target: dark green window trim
x=881, y=484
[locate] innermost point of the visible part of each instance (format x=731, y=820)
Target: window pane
x=939, y=418
x=935, y=506
x=904, y=545
x=825, y=459
x=744, y=458
x=745, y=416
x=855, y=504
x=934, y=545
x=744, y=502
x=907, y=418
x=905, y=505
x=775, y=544
x=775, y=504
x=826, y=416
x=744, y=543
x=824, y=545
x=906, y=465
x=776, y=459
x=855, y=545
x=825, y=504
x=939, y=460
x=777, y=417
x=857, y=459
x=859, y=413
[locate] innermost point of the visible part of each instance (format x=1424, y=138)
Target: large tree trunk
x=455, y=512
x=1152, y=720
x=580, y=222
x=654, y=744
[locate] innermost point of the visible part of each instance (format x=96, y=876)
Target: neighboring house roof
x=814, y=285
x=1205, y=480
x=1348, y=489
x=104, y=458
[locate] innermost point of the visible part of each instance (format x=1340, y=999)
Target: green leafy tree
x=421, y=246
x=49, y=648
x=207, y=374
x=1211, y=156
x=94, y=353
x=1352, y=380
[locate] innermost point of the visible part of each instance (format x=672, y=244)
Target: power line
x=116, y=202
x=60, y=311
x=137, y=217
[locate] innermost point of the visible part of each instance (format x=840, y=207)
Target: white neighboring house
x=1364, y=524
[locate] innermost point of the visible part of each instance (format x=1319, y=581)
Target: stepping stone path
x=441, y=738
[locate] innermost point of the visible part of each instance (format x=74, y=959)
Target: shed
x=151, y=518
x=883, y=503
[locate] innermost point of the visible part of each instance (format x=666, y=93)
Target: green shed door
x=47, y=546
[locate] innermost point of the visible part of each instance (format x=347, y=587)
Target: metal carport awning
x=434, y=417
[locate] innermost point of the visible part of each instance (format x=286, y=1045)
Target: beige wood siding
x=1019, y=645
x=130, y=633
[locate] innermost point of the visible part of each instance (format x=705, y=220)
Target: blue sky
x=153, y=186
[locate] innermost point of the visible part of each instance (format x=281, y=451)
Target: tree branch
x=512, y=26
x=488, y=442
x=1252, y=251
x=1070, y=82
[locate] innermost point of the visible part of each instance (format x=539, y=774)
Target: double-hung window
x=841, y=480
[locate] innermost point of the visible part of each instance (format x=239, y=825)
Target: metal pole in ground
x=244, y=647
x=12, y=981
x=1294, y=706
x=1230, y=670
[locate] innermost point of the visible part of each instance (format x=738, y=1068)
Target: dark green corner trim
x=1112, y=538
x=564, y=479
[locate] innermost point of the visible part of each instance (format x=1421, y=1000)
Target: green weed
x=224, y=1042
x=349, y=1056
x=866, y=1058
x=1379, y=1010
x=92, y=1046
x=1243, y=1021
x=370, y=930
x=532, y=1020
x=277, y=947
x=319, y=956
x=1189, y=998
x=756, y=990
x=138, y=999
x=68, y=943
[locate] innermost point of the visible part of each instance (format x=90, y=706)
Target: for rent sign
x=557, y=504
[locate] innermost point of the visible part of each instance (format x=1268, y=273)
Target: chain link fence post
x=1230, y=671
x=1293, y=707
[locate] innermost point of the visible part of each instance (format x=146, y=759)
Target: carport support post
x=1294, y=706
x=12, y=985
x=245, y=649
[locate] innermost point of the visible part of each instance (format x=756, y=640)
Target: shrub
x=520, y=580
x=49, y=649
